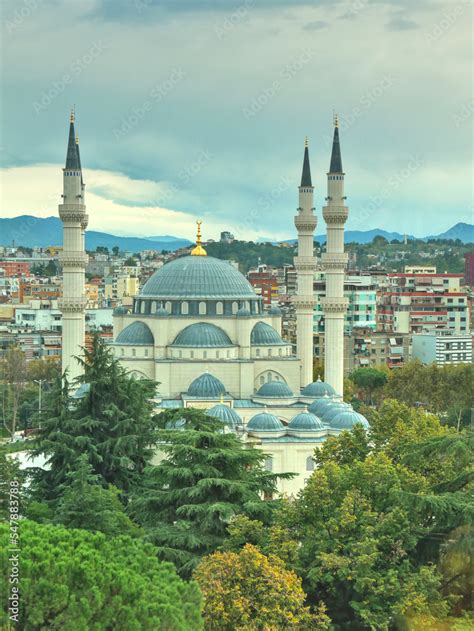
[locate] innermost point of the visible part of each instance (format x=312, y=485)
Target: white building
x=442, y=347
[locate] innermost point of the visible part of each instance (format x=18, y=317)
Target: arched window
x=191, y=354
x=309, y=463
x=257, y=352
x=269, y=376
x=142, y=306
x=168, y=306
x=202, y=308
x=180, y=354
x=269, y=463
x=219, y=308
x=235, y=307
x=217, y=354
x=204, y=354
x=280, y=351
x=262, y=379
x=184, y=308
x=270, y=352
x=123, y=351
x=134, y=352
x=153, y=307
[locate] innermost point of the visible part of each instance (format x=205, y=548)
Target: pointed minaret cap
x=72, y=157
x=198, y=250
x=336, y=161
x=306, y=173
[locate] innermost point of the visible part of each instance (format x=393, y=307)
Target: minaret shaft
x=73, y=260
x=305, y=264
x=334, y=262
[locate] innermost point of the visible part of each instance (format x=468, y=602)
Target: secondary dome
x=206, y=385
x=333, y=410
x=306, y=422
x=318, y=389
x=347, y=420
x=265, y=335
x=202, y=334
x=225, y=414
x=120, y=310
x=319, y=406
x=275, y=389
x=135, y=333
x=275, y=310
x=265, y=422
x=199, y=277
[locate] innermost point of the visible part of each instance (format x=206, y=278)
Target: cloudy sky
x=192, y=109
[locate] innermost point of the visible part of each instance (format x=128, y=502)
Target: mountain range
x=34, y=231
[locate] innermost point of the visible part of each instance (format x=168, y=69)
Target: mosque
x=199, y=329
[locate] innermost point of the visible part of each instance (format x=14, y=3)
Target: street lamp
x=40, y=384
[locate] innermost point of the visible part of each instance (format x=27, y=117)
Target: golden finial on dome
x=198, y=250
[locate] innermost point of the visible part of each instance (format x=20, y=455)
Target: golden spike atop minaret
x=306, y=141
x=77, y=139
x=72, y=117
x=336, y=120
x=198, y=250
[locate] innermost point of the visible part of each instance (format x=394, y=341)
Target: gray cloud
x=401, y=24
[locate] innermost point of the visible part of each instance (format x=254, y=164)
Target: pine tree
x=112, y=422
x=207, y=476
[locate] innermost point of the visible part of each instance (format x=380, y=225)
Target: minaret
x=305, y=264
x=334, y=262
x=73, y=258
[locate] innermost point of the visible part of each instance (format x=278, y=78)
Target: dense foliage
x=81, y=581
x=248, y=590
x=205, y=478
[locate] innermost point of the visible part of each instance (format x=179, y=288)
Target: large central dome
x=198, y=277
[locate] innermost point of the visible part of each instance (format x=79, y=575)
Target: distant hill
x=34, y=231
x=361, y=236
x=462, y=231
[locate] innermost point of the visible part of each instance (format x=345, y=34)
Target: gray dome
x=135, y=333
x=274, y=310
x=265, y=422
x=306, y=422
x=225, y=414
x=333, y=410
x=206, y=385
x=243, y=312
x=347, y=420
x=319, y=406
x=265, y=335
x=120, y=310
x=199, y=277
x=202, y=334
x=275, y=389
x=318, y=389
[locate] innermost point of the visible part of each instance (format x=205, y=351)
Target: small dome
x=161, y=312
x=243, y=312
x=319, y=406
x=332, y=411
x=274, y=389
x=225, y=414
x=347, y=420
x=265, y=422
x=318, y=389
x=276, y=311
x=202, y=334
x=265, y=335
x=135, y=334
x=120, y=310
x=306, y=422
x=206, y=385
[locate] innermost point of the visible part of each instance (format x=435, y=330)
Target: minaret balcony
x=73, y=259
x=305, y=263
x=303, y=302
x=306, y=222
x=334, y=260
x=72, y=305
x=334, y=305
x=335, y=214
x=72, y=212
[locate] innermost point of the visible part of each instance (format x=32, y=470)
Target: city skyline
x=224, y=142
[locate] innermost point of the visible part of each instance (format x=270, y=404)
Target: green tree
x=78, y=580
x=369, y=380
x=248, y=590
x=13, y=374
x=86, y=504
x=116, y=250
x=112, y=422
x=205, y=478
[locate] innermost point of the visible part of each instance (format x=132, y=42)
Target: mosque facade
x=201, y=332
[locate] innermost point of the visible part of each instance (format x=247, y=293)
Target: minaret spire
x=334, y=262
x=305, y=264
x=73, y=258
